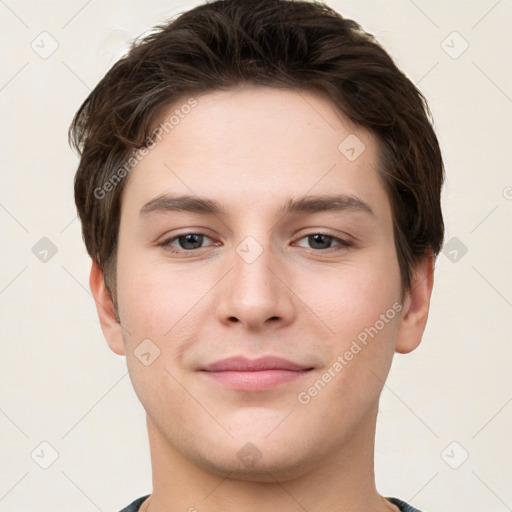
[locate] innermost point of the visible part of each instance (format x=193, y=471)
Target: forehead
x=253, y=145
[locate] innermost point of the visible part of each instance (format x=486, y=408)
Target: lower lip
x=255, y=381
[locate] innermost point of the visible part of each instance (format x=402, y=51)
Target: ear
x=416, y=306
x=106, y=312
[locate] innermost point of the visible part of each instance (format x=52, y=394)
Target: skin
x=252, y=150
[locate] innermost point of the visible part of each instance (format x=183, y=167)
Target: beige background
x=61, y=385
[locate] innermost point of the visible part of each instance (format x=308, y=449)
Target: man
x=259, y=191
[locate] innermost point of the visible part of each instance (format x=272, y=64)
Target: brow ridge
x=303, y=205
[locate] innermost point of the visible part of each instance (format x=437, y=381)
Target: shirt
x=404, y=507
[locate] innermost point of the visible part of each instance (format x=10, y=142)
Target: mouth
x=265, y=373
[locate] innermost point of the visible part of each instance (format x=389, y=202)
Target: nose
x=256, y=293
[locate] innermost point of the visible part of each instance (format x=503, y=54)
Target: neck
x=343, y=482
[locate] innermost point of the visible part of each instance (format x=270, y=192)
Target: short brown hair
x=278, y=43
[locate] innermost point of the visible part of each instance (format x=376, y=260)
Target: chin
x=256, y=458
x=277, y=467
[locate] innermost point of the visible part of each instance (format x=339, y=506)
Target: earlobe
x=416, y=307
x=106, y=311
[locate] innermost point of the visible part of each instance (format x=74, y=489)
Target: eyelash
x=342, y=243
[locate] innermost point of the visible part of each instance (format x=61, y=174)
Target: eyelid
x=342, y=242
x=166, y=242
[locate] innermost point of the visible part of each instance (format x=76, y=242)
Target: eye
x=324, y=241
x=186, y=242
x=189, y=242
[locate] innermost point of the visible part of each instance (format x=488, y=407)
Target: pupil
x=320, y=241
x=193, y=239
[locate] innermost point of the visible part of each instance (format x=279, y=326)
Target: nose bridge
x=252, y=293
x=253, y=279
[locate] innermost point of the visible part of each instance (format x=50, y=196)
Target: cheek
x=362, y=308
x=167, y=305
x=359, y=294
x=153, y=307
x=359, y=354
x=150, y=304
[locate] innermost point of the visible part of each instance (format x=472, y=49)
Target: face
x=261, y=311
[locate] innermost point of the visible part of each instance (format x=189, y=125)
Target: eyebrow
x=322, y=203
x=307, y=204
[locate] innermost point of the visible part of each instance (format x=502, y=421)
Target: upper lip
x=244, y=364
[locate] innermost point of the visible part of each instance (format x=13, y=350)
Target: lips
x=243, y=374
x=243, y=364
